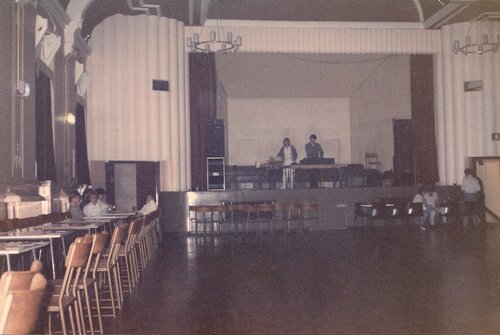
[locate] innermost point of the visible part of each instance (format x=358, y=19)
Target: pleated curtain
x=44, y=151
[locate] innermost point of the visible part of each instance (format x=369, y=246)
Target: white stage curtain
x=127, y=120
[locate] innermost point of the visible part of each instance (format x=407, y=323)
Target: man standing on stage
x=313, y=151
x=288, y=155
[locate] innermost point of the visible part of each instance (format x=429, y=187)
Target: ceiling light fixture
x=481, y=45
x=218, y=41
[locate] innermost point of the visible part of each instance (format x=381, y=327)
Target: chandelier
x=218, y=40
x=481, y=45
x=216, y=43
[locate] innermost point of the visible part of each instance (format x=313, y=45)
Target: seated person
x=92, y=208
x=74, y=206
x=150, y=205
x=419, y=199
x=101, y=199
x=431, y=199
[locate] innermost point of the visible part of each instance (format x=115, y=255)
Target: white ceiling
x=249, y=75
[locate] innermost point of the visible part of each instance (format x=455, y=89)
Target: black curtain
x=423, y=117
x=81, y=158
x=44, y=152
x=203, y=101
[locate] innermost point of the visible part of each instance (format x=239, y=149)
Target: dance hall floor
x=389, y=280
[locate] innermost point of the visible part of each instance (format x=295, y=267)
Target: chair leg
x=98, y=305
x=71, y=320
x=81, y=316
x=89, y=308
x=112, y=297
x=118, y=287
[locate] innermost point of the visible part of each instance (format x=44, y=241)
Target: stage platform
x=336, y=206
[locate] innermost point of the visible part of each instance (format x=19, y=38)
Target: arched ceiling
x=195, y=11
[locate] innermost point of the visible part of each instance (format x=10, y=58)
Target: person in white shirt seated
x=92, y=208
x=288, y=155
x=101, y=199
x=150, y=205
x=431, y=199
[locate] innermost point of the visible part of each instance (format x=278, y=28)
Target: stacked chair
x=21, y=295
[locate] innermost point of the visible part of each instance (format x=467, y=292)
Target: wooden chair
x=108, y=267
x=21, y=305
x=87, y=282
x=371, y=159
x=63, y=298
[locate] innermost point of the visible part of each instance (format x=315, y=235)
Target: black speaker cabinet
x=403, y=148
x=215, y=138
x=216, y=173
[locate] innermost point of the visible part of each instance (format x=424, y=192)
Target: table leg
x=8, y=263
x=52, y=259
x=63, y=246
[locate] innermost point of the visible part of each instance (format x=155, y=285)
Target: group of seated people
x=93, y=203
x=472, y=195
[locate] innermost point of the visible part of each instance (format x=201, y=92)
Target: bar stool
x=251, y=216
x=265, y=215
x=280, y=215
x=293, y=215
x=206, y=218
x=238, y=216
x=219, y=217
x=309, y=212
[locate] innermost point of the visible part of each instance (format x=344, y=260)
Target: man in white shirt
x=150, y=205
x=288, y=155
x=419, y=199
x=101, y=199
x=92, y=208
x=471, y=188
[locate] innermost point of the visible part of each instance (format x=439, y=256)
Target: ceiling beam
x=420, y=11
x=198, y=12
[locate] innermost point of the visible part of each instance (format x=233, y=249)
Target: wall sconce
x=70, y=119
x=23, y=89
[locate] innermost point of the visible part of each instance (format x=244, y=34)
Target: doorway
x=128, y=183
x=488, y=170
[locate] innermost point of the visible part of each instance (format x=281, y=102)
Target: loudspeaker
x=403, y=148
x=215, y=138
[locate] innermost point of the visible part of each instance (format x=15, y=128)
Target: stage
x=336, y=205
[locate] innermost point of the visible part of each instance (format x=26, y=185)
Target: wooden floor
x=391, y=280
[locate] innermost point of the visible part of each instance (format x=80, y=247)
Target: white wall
x=256, y=127
x=384, y=96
